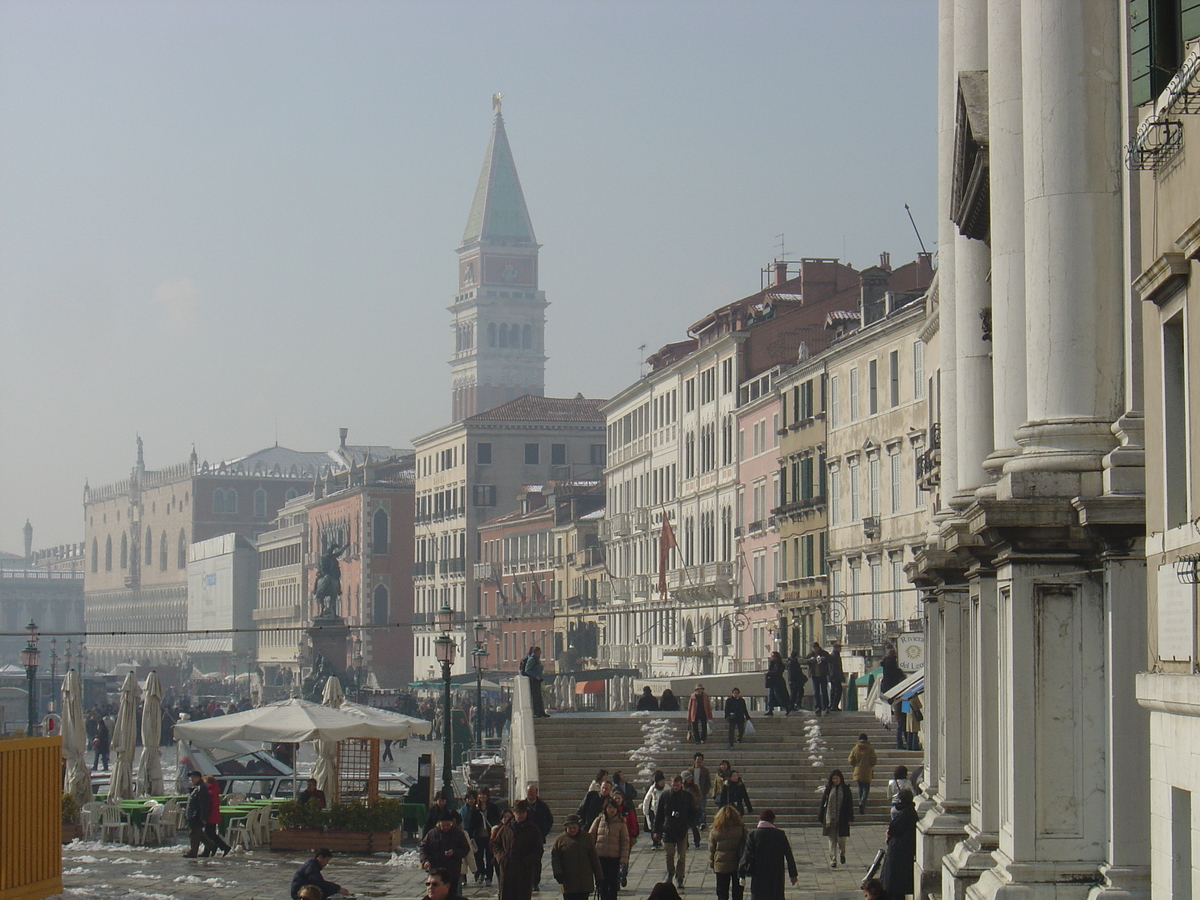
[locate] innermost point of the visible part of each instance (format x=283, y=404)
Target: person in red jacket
x=214, y=819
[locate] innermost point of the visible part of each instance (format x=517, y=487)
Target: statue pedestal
x=330, y=637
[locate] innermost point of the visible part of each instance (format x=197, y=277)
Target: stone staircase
x=784, y=765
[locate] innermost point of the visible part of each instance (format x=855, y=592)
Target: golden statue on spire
x=496, y=98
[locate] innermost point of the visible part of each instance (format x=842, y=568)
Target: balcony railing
x=871, y=527
x=618, y=524
x=454, y=566
x=423, y=569
x=640, y=519
x=525, y=609
x=756, y=527
x=709, y=580
x=486, y=571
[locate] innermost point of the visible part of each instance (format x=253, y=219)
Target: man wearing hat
x=698, y=713
x=575, y=863
x=445, y=847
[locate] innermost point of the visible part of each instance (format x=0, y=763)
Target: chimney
x=28, y=531
x=885, y=260
x=342, y=432
x=780, y=273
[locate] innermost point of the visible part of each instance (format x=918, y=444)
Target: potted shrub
x=71, y=827
x=350, y=827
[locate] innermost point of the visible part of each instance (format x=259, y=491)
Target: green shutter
x=1139, y=50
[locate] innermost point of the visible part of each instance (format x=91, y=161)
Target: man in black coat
x=767, y=849
x=818, y=670
x=540, y=815
x=196, y=817
x=676, y=809
x=796, y=679
x=736, y=715
x=310, y=873
x=837, y=677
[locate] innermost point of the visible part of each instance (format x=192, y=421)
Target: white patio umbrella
x=290, y=721
x=76, y=781
x=124, y=741
x=325, y=771
x=149, y=773
x=388, y=717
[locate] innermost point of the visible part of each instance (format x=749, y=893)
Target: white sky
x=225, y=222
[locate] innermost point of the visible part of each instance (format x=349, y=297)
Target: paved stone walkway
x=108, y=872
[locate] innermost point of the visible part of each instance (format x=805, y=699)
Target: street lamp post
x=480, y=656
x=358, y=668
x=446, y=649
x=67, y=661
x=53, y=671
x=29, y=659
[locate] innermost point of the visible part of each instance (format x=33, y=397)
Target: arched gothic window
x=124, y=550
x=162, y=551
x=218, y=501
x=231, y=501
x=149, y=549
x=95, y=556
x=379, y=612
x=260, y=503
x=181, y=552
x=503, y=335
x=290, y=495
x=108, y=554
x=379, y=532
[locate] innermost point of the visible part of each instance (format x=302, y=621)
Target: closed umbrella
x=77, y=781
x=124, y=741
x=325, y=771
x=149, y=774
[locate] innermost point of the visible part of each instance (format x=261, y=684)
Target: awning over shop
x=589, y=687
x=913, y=684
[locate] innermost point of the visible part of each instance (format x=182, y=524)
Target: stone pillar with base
x=944, y=805
x=330, y=636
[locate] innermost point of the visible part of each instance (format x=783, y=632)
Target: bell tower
x=498, y=314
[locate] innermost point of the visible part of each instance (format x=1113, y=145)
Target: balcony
x=618, y=525
x=486, y=571
x=525, y=609
x=799, y=508
x=454, y=566
x=755, y=527
x=643, y=584
x=871, y=528
x=738, y=531
x=708, y=581
x=640, y=519
x=587, y=557
x=423, y=569
x=756, y=599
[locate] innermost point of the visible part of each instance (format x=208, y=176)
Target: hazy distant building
x=44, y=587
x=499, y=315
x=138, y=533
x=222, y=589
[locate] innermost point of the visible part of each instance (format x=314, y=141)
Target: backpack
x=524, y=660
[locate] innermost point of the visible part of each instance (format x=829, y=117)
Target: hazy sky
x=227, y=223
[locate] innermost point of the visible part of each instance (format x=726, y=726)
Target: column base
x=1009, y=880
x=1059, y=458
x=963, y=866
x=941, y=827
x=1123, y=883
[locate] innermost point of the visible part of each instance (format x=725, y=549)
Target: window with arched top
x=181, y=551
x=503, y=335
x=218, y=501
x=108, y=554
x=379, y=605
x=527, y=338
x=162, y=551
x=260, y=504
x=290, y=495
x=231, y=501
x=95, y=556
x=491, y=334
x=379, y=531
x=124, y=550
x=149, y=551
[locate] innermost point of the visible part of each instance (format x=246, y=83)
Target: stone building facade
x=467, y=472
x=1034, y=581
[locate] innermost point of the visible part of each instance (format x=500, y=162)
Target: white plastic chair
x=114, y=820
x=89, y=818
x=263, y=834
x=242, y=831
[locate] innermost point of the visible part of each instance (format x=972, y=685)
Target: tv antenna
x=914, y=225
x=641, y=360
x=782, y=247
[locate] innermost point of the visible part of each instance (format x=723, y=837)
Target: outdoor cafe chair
x=89, y=817
x=114, y=820
x=242, y=830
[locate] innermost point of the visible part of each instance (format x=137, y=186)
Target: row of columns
x=1035, y=585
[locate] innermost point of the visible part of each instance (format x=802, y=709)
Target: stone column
x=972, y=293
x=973, y=855
x=942, y=823
x=1074, y=293
x=1007, y=193
x=947, y=234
